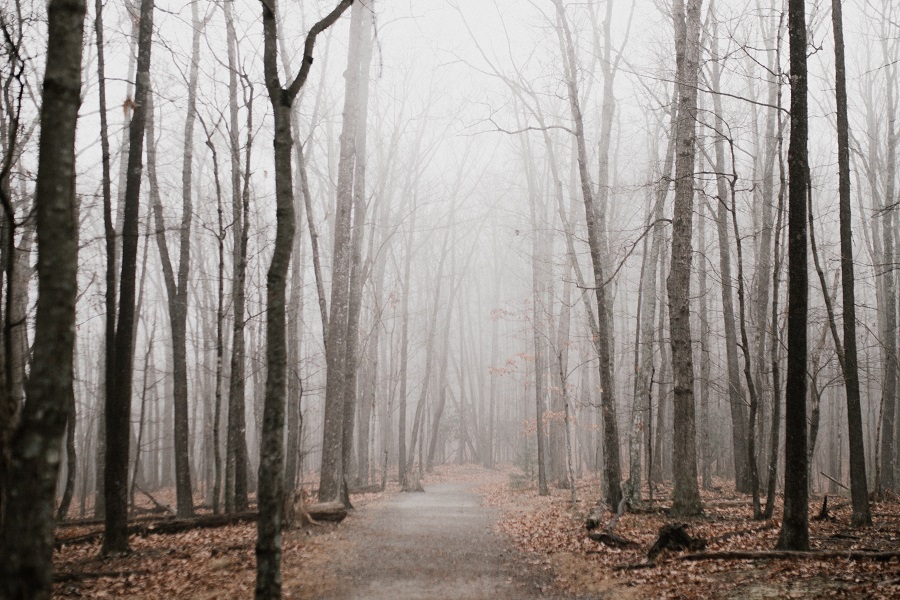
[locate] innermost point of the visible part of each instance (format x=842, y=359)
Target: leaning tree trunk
x=26, y=541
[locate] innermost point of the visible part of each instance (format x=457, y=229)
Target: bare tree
x=118, y=403
x=686, y=498
x=795, y=525
x=858, y=485
x=26, y=541
x=271, y=464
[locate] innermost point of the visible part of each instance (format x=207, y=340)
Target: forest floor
x=476, y=533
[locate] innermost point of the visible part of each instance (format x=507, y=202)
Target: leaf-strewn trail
x=473, y=535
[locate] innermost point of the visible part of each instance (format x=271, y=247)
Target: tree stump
x=673, y=537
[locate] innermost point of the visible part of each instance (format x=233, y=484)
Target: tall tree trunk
x=358, y=270
x=118, y=404
x=110, y=247
x=404, y=351
x=775, y=338
x=177, y=283
x=889, y=333
x=705, y=450
x=735, y=391
x=271, y=464
x=220, y=330
x=858, y=485
x=795, y=524
x=331, y=475
x=612, y=468
x=686, y=494
x=26, y=541
x=236, y=459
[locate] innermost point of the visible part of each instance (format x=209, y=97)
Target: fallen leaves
x=548, y=528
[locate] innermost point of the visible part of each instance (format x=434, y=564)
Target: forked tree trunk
x=271, y=464
x=177, y=283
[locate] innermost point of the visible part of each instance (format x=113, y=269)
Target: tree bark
x=236, y=459
x=177, y=282
x=612, y=468
x=686, y=494
x=26, y=541
x=795, y=525
x=735, y=391
x=331, y=476
x=271, y=464
x=118, y=404
x=858, y=485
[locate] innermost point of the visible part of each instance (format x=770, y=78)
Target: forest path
x=440, y=544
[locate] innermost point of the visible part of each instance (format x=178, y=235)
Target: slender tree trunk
x=271, y=464
x=858, y=485
x=889, y=333
x=705, y=450
x=612, y=466
x=118, y=404
x=795, y=525
x=177, y=282
x=111, y=266
x=775, y=341
x=220, y=331
x=686, y=495
x=26, y=541
x=236, y=459
x=404, y=352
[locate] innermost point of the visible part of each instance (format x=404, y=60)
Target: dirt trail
x=434, y=545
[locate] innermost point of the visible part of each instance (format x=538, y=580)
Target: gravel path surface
x=440, y=544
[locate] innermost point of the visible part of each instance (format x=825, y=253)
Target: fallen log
x=792, y=554
x=92, y=522
x=167, y=526
x=608, y=538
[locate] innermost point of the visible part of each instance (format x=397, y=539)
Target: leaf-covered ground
x=554, y=533
x=220, y=562
x=201, y=564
